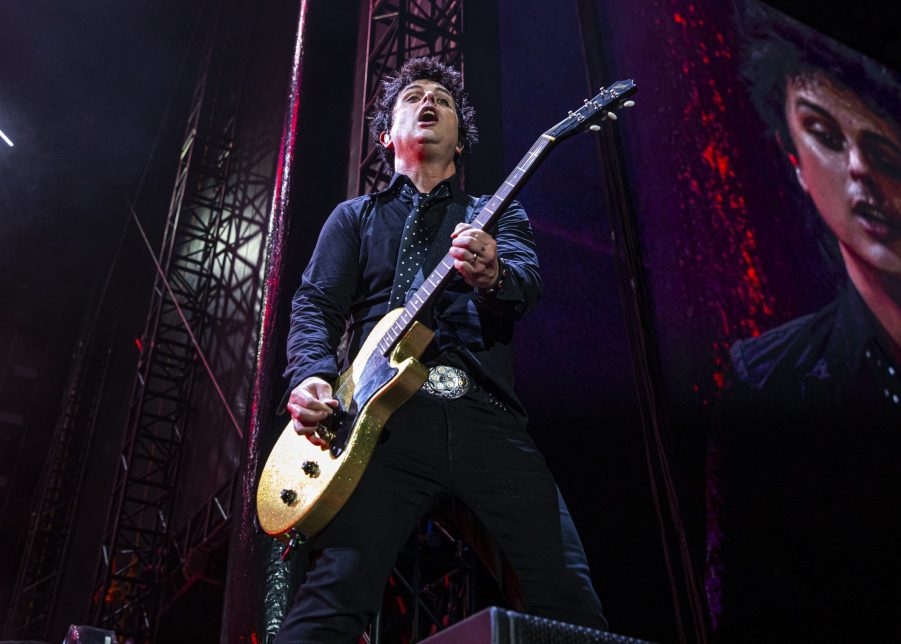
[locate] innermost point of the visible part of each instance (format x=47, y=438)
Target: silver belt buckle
x=446, y=382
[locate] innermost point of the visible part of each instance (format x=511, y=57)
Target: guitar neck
x=444, y=272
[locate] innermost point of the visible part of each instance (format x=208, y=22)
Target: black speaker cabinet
x=498, y=626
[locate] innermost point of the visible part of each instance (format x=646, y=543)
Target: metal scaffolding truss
x=431, y=587
x=399, y=30
x=138, y=528
x=395, y=32
x=190, y=546
x=59, y=490
x=230, y=345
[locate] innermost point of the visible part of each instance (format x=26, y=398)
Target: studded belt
x=447, y=382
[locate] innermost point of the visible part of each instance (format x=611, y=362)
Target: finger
x=318, y=442
x=300, y=428
x=464, y=268
x=464, y=242
x=308, y=400
x=473, y=244
x=309, y=418
x=321, y=390
x=310, y=434
x=480, y=234
x=318, y=406
x=466, y=237
x=307, y=415
x=464, y=255
x=325, y=403
x=459, y=228
x=460, y=253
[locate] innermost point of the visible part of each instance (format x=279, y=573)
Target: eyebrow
x=418, y=86
x=868, y=135
x=803, y=102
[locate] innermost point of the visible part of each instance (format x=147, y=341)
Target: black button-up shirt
x=347, y=284
x=805, y=483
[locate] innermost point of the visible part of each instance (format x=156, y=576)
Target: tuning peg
x=629, y=104
x=612, y=116
x=594, y=128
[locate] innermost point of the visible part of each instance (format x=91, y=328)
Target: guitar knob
x=310, y=468
x=612, y=116
x=629, y=104
x=288, y=496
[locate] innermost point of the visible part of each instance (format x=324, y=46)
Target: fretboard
x=444, y=272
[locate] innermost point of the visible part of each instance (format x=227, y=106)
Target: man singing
x=464, y=433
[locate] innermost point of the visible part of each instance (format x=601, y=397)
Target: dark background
x=94, y=96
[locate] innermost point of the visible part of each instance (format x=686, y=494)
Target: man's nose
x=860, y=169
x=858, y=163
x=429, y=97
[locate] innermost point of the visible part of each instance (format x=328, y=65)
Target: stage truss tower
x=59, y=491
x=138, y=533
x=394, y=32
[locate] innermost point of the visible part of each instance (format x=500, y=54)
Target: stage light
x=6, y=138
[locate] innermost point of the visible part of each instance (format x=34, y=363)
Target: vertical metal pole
x=242, y=617
x=635, y=298
x=375, y=631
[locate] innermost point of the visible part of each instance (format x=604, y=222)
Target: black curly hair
x=431, y=69
x=777, y=49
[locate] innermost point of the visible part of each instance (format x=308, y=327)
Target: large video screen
x=765, y=164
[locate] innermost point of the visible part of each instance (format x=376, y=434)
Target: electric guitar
x=303, y=486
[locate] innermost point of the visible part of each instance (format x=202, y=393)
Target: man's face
x=424, y=125
x=849, y=162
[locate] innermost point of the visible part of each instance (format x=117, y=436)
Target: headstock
x=595, y=110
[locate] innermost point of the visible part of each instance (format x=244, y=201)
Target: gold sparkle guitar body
x=302, y=485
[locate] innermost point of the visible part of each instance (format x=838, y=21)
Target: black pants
x=480, y=454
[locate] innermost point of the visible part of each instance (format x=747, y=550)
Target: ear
x=793, y=159
x=800, y=176
x=385, y=139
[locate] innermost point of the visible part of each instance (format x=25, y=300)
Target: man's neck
x=882, y=295
x=425, y=175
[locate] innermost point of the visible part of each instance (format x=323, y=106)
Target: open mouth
x=428, y=115
x=876, y=220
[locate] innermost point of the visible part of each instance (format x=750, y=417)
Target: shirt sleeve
x=321, y=304
x=520, y=289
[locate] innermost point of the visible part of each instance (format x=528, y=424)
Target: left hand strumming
x=475, y=256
